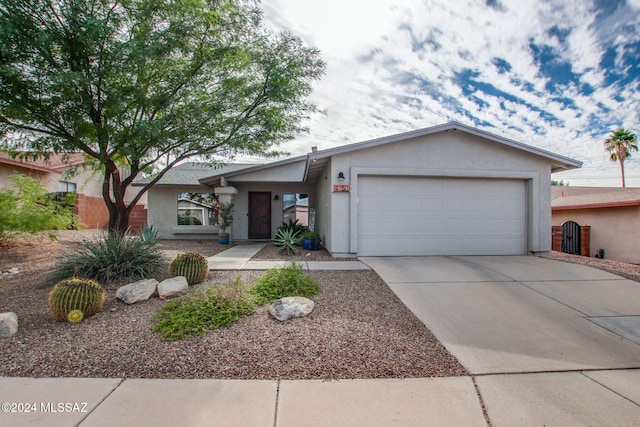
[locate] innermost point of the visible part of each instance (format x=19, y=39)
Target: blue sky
x=555, y=74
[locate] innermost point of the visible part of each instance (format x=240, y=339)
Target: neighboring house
x=445, y=190
x=612, y=213
x=195, y=212
x=68, y=174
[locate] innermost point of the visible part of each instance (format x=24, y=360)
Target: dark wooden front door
x=259, y=215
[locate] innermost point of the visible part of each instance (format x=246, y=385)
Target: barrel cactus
x=190, y=265
x=76, y=298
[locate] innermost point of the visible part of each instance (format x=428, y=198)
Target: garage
x=413, y=216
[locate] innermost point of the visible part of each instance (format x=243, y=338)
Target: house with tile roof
x=69, y=173
x=612, y=213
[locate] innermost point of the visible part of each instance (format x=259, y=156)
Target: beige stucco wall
x=445, y=154
x=163, y=214
x=323, y=208
x=49, y=180
x=288, y=172
x=616, y=230
x=163, y=210
x=240, y=228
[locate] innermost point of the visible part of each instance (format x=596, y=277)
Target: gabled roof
x=559, y=163
x=215, y=179
x=189, y=174
x=317, y=160
x=197, y=174
x=56, y=163
x=565, y=198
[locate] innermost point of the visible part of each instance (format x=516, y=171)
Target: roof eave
x=623, y=204
x=28, y=165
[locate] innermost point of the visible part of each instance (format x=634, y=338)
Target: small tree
x=146, y=84
x=225, y=216
x=29, y=209
x=619, y=146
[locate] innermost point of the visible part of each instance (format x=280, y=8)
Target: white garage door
x=403, y=216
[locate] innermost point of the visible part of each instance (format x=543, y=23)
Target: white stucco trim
x=532, y=185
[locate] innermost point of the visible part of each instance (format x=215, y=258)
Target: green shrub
x=73, y=299
x=193, y=266
x=148, y=234
x=207, y=307
x=286, y=240
x=29, y=209
x=109, y=259
x=283, y=282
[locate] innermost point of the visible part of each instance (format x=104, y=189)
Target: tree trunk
x=118, y=219
x=622, y=169
x=113, y=196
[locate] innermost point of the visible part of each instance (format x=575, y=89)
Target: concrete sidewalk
x=152, y=402
x=239, y=258
x=598, y=398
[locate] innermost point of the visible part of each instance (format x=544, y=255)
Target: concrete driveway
x=568, y=335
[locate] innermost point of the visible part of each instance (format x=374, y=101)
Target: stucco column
x=226, y=195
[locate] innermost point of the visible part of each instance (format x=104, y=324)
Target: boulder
x=173, y=287
x=141, y=290
x=8, y=324
x=286, y=308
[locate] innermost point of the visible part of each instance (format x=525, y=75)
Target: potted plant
x=309, y=239
x=225, y=218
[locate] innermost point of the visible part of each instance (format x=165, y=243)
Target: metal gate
x=571, y=238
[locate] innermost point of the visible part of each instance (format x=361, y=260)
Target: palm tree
x=619, y=145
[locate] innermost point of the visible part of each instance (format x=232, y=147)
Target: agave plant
x=286, y=240
x=292, y=225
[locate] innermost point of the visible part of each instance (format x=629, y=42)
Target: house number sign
x=341, y=188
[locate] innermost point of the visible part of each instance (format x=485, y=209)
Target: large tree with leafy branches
x=141, y=85
x=619, y=145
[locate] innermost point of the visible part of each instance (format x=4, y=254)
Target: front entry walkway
x=239, y=258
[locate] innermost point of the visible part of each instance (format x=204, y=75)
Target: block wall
x=92, y=212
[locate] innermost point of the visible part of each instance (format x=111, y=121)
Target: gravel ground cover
x=630, y=271
x=359, y=329
x=270, y=252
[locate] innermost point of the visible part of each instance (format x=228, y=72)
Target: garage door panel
x=440, y=216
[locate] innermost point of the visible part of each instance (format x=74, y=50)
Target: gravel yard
x=630, y=271
x=359, y=329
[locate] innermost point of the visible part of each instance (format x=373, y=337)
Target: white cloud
x=435, y=40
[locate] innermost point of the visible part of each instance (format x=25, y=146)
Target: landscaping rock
x=289, y=307
x=10, y=273
x=173, y=287
x=141, y=290
x=8, y=324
